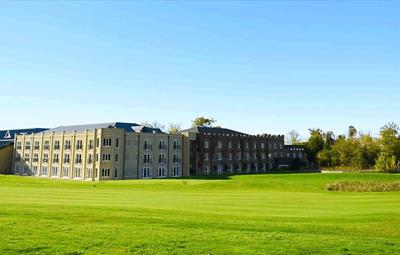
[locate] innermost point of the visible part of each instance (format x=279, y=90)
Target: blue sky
x=259, y=67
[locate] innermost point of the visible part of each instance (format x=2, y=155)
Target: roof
x=128, y=127
x=7, y=136
x=218, y=130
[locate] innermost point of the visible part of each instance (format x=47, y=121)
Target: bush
x=357, y=186
x=385, y=162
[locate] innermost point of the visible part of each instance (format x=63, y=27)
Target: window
x=106, y=142
x=162, y=145
x=97, y=157
x=254, y=155
x=78, y=159
x=230, y=168
x=176, y=158
x=76, y=173
x=90, y=158
x=274, y=146
x=26, y=170
x=105, y=172
x=161, y=172
x=206, y=155
x=117, y=143
x=262, y=145
x=161, y=158
x=66, y=158
x=206, y=144
x=35, y=157
x=45, y=158
x=262, y=155
x=67, y=145
x=17, y=157
x=26, y=157
x=239, y=156
x=176, y=171
x=115, y=173
x=56, y=145
x=55, y=158
x=44, y=170
x=147, y=145
x=255, y=145
x=219, y=156
x=281, y=146
x=229, y=145
x=97, y=142
x=229, y=156
x=65, y=171
x=146, y=158
x=89, y=172
x=246, y=156
x=207, y=169
x=46, y=145
x=176, y=145
x=16, y=169
x=27, y=145
x=247, y=145
x=91, y=144
x=79, y=144
x=219, y=145
x=55, y=171
x=106, y=157
x=146, y=172
x=116, y=157
x=35, y=170
x=18, y=145
x=219, y=169
x=36, y=146
x=238, y=145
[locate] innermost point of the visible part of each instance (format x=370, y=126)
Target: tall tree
x=352, y=132
x=294, y=137
x=203, y=122
x=174, y=128
x=315, y=144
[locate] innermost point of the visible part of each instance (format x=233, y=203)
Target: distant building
x=225, y=151
x=6, y=146
x=107, y=151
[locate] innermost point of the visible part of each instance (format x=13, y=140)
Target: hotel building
x=108, y=151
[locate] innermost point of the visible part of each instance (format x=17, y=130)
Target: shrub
x=370, y=186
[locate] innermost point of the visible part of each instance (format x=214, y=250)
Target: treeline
x=356, y=150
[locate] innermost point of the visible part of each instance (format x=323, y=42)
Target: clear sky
x=258, y=67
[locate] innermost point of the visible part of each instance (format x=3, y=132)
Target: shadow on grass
x=229, y=176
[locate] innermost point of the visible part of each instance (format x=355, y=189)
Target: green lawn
x=247, y=214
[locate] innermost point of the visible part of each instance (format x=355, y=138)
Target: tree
x=385, y=162
x=203, y=122
x=174, y=128
x=390, y=140
x=315, y=144
x=154, y=124
x=294, y=137
x=352, y=132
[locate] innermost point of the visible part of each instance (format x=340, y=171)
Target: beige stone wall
x=103, y=154
x=6, y=154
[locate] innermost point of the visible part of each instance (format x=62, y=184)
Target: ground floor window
x=176, y=171
x=146, y=172
x=115, y=173
x=162, y=172
x=44, y=170
x=55, y=170
x=105, y=172
x=219, y=169
x=26, y=170
x=35, y=170
x=65, y=171
x=77, y=172
x=230, y=169
x=207, y=169
x=89, y=172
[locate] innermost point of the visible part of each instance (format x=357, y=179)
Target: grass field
x=247, y=214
